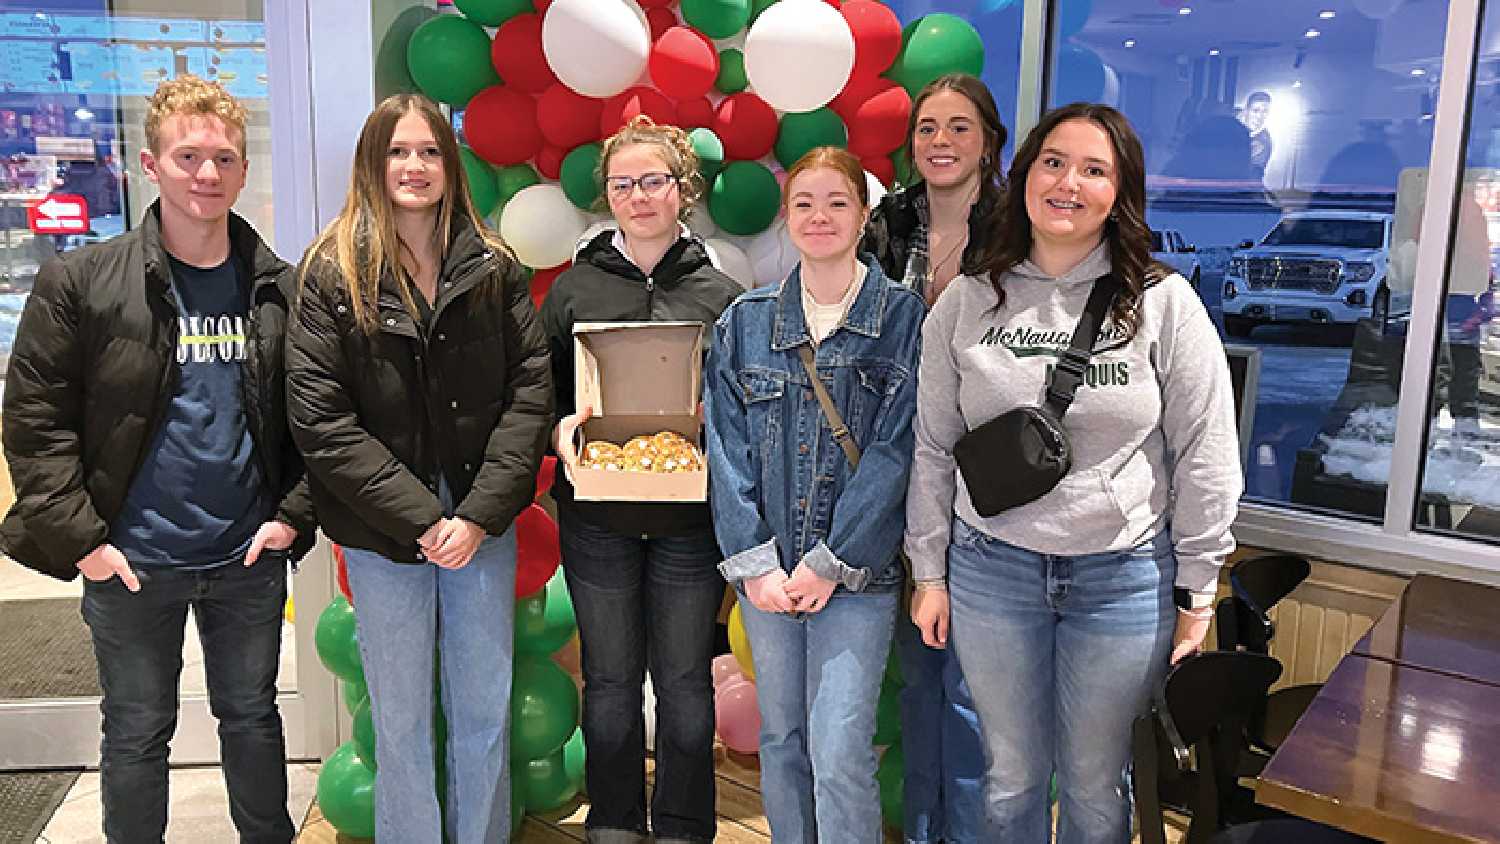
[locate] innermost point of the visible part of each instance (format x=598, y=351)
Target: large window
x=74, y=78
x=1287, y=148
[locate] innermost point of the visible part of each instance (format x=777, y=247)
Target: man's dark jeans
x=138, y=645
x=646, y=603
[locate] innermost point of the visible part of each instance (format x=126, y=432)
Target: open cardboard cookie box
x=639, y=378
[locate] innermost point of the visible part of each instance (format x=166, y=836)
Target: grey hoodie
x=1152, y=428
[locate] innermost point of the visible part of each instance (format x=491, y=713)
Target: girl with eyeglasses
x=643, y=576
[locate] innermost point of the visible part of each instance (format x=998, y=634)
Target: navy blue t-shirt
x=198, y=498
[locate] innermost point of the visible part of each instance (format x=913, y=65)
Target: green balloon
x=888, y=717
x=560, y=615
x=906, y=173
x=545, y=621
x=938, y=43
x=517, y=803
x=716, y=18
x=481, y=177
x=731, y=78
x=337, y=641
x=543, y=708
x=758, y=6
x=545, y=783
x=577, y=177
x=574, y=757
x=364, y=732
x=355, y=693
x=449, y=59
x=893, y=670
x=744, y=198
x=804, y=131
x=891, y=776
x=346, y=792
x=710, y=152
x=512, y=180
x=492, y=12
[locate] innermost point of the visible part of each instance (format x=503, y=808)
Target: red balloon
x=548, y=473
x=878, y=125
x=538, y=550
x=694, y=113
x=856, y=91
x=567, y=118
x=877, y=36
x=500, y=126
x=660, y=20
x=342, y=576
x=746, y=125
x=656, y=4
x=541, y=282
x=632, y=101
x=881, y=167
x=517, y=55
x=549, y=161
x=541, y=5
x=683, y=64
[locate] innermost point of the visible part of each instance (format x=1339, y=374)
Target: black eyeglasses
x=620, y=187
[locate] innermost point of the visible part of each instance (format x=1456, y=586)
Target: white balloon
x=771, y=253
x=798, y=54
x=596, y=47
x=876, y=189
x=732, y=261
x=541, y=226
x=700, y=222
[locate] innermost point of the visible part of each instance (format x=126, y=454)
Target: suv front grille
x=1319, y=275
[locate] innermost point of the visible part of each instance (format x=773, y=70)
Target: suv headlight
x=1236, y=268
x=1359, y=272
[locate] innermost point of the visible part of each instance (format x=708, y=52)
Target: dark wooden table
x=1403, y=741
x=1441, y=624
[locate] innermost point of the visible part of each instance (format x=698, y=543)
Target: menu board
x=26, y=25
x=29, y=66
x=242, y=71
x=237, y=32
x=91, y=67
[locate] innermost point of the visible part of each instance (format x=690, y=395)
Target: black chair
x=1187, y=746
x=1244, y=623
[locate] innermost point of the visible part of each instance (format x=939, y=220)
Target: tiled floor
x=198, y=813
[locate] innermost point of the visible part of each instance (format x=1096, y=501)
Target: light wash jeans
x=404, y=613
x=943, y=796
x=1061, y=654
x=818, y=678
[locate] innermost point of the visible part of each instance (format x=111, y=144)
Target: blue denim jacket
x=781, y=489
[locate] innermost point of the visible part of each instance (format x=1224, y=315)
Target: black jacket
x=380, y=416
x=605, y=286
x=894, y=221
x=90, y=379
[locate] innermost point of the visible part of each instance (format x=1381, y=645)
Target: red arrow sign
x=59, y=213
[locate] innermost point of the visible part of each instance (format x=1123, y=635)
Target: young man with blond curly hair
x=145, y=428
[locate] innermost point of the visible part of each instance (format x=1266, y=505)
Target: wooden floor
x=741, y=820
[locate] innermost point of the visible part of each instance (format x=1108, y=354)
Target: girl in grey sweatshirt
x=1066, y=610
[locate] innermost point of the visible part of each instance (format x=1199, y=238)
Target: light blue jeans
x=1061, y=654
x=818, y=678
x=405, y=613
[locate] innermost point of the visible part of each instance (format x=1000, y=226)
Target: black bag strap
x=1074, y=360
x=841, y=433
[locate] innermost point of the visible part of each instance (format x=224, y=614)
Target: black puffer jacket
x=605, y=286
x=92, y=374
x=380, y=416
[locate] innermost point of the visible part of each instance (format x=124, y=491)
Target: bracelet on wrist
x=1198, y=613
x=936, y=585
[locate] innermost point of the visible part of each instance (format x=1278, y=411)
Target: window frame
x=1397, y=544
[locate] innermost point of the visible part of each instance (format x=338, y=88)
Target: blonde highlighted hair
x=671, y=143
x=362, y=241
x=189, y=96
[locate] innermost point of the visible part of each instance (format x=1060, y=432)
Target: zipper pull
x=650, y=284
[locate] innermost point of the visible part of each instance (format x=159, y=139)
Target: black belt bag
x=1020, y=455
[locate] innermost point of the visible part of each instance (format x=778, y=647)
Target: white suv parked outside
x=1314, y=267
x=1168, y=247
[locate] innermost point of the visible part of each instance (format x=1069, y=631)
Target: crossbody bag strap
x=1068, y=374
x=841, y=433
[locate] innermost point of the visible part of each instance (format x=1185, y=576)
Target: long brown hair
x=1126, y=230
x=991, y=183
x=362, y=241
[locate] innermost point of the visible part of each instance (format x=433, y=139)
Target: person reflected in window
x=1067, y=610
x=642, y=576
x=810, y=527
x=925, y=235
x=419, y=392
x=1255, y=115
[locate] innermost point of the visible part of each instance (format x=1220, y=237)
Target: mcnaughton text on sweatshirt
x=1152, y=426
